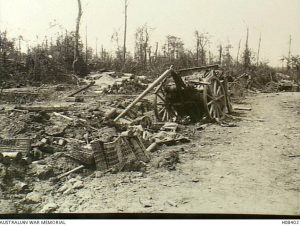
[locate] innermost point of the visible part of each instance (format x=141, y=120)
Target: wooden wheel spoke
x=215, y=87
x=211, y=109
x=210, y=102
x=161, y=110
x=164, y=116
x=219, y=89
x=160, y=97
x=211, y=90
x=219, y=97
x=211, y=97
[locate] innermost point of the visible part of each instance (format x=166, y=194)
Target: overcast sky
x=225, y=20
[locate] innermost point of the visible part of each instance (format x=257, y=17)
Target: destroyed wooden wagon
x=197, y=93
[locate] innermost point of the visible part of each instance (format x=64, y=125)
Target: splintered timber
x=21, y=222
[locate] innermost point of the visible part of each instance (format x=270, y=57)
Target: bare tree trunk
x=258, y=49
x=289, y=54
x=149, y=55
x=156, y=49
x=86, y=46
x=125, y=34
x=76, y=53
x=198, y=51
x=220, y=54
x=247, y=60
x=96, y=54
x=238, y=52
x=202, y=52
x=79, y=66
x=145, y=55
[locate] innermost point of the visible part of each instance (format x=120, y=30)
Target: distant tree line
x=53, y=60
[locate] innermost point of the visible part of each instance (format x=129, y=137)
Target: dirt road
x=250, y=169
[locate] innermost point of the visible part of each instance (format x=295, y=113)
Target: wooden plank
x=82, y=89
x=44, y=108
x=71, y=171
x=22, y=145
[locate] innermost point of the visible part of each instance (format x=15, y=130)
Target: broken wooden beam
x=82, y=89
x=67, y=118
x=152, y=147
x=75, y=99
x=71, y=171
x=242, y=108
x=44, y=108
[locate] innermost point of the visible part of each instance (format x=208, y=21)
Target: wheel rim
x=163, y=111
x=214, y=99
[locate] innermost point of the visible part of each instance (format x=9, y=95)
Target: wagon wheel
x=163, y=111
x=214, y=99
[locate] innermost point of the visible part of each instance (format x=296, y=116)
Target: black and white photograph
x=150, y=109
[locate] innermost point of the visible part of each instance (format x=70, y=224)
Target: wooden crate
x=22, y=145
x=118, y=152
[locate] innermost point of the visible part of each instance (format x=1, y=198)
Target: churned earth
x=249, y=167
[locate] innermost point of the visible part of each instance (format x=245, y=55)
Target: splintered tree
x=142, y=44
x=118, y=62
x=173, y=48
x=79, y=67
x=289, y=54
x=125, y=34
x=220, y=54
x=247, y=53
x=202, y=40
x=227, y=58
x=238, y=52
x=76, y=53
x=258, y=51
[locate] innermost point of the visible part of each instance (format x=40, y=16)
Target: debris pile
x=54, y=140
x=126, y=87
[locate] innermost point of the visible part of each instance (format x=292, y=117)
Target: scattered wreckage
x=122, y=136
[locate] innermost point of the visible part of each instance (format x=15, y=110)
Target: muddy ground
x=251, y=168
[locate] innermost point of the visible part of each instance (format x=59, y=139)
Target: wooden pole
x=125, y=34
x=96, y=47
x=289, y=54
x=146, y=91
x=86, y=47
x=76, y=52
x=71, y=171
x=220, y=54
x=238, y=52
x=81, y=89
x=258, y=51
